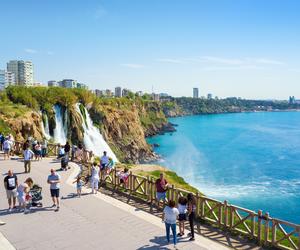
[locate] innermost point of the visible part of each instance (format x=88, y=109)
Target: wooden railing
x=256, y=226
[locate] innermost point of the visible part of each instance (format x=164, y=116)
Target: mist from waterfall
x=93, y=140
x=60, y=128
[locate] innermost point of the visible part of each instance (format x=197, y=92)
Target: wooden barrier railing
x=260, y=227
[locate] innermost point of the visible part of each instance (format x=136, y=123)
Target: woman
x=79, y=154
x=169, y=216
x=23, y=191
x=38, y=151
x=94, y=178
x=191, y=207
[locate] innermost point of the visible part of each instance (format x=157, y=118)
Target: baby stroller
x=35, y=194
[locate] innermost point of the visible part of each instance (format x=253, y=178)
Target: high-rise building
x=81, y=86
x=10, y=78
x=118, y=92
x=209, y=96
x=195, y=93
x=23, y=71
x=108, y=92
x=52, y=83
x=125, y=92
x=68, y=83
x=2, y=80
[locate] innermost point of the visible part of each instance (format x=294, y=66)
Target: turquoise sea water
x=250, y=159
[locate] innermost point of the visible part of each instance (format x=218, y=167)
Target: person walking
x=94, y=178
x=191, y=207
x=38, y=151
x=79, y=183
x=54, y=181
x=169, y=217
x=182, y=208
x=161, y=189
x=44, y=148
x=23, y=190
x=28, y=155
x=10, y=184
x=7, y=147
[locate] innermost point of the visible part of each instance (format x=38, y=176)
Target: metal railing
x=257, y=226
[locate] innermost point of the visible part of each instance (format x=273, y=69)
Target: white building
x=23, y=71
x=155, y=97
x=10, y=78
x=52, y=83
x=118, y=92
x=68, y=83
x=2, y=80
x=195, y=93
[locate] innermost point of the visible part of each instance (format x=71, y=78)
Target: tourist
x=169, y=216
x=104, y=160
x=38, y=151
x=44, y=148
x=91, y=157
x=10, y=184
x=28, y=155
x=33, y=143
x=26, y=144
x=79, y=183
x=61, y=151
x=161, y=189
x=1, y=139
x=110, y=166
x=7, y=147
x=191, y=208
x=67, y=149
x=79, y=154
x=54, y=180
x=123, y=176
x=23, y=192
x=94, y=178
x=74, y=148
x=182, y=208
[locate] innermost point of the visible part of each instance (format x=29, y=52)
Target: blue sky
x=247, y=48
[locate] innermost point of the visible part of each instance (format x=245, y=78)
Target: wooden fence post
x=266, y=228
x=259, y=222
x=274, y=232
x=225, y=213
x=151, y=190
x=197, y=205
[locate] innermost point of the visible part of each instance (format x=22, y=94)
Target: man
x=161, y=188
x=104, y=161
x=28, y=155
x=54, y=180
x=10, y=184
x=7, y=145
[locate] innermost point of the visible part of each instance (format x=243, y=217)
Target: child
x=182, y=208
x=79, y=184
x=123, y=175
x=23, y=193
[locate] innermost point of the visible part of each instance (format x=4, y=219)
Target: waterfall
x=45, y=126
x=92, y=138
x=59, y=131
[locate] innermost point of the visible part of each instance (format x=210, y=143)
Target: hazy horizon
x=247, y=49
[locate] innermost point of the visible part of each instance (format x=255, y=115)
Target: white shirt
x=171, y=215
x=7, y=144
x=182, y=209
x=95, y=173
x=28, y=154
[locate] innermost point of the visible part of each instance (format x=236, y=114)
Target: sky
x=243, y=48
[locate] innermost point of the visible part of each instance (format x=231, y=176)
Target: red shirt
x=161, y=185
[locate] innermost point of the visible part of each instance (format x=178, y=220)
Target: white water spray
x=93, y=140
x=45, y=126
x=59, y=131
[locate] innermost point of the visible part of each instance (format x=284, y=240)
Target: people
x=191, y=207
x=182, y=208
x=44, y=148
x=7, y=147
x=161, y=189
x=123, y=175
x=79, y=153
x=67, y=149
x=54, y=181
x=38, y=151
x=28, y=155
x=79, y=183
x=94, y=178
x=110, y=166
x=104, y=160
x=61, y=151
x=23, y=192
x=169, y=217
x=10, y=184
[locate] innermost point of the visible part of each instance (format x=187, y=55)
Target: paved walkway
x=93, y=221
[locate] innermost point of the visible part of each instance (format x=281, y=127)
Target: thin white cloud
x=268, y=61
x=219, y=60
x=132, y=65
x=31, y=51
x=225, y=68
x=170, y=60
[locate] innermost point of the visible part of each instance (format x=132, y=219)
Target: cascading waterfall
x=92, y=138
x=45, y=126
x=59, y=131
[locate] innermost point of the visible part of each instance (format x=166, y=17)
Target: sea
x=251, y=160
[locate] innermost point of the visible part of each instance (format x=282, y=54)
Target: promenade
x=90, y=222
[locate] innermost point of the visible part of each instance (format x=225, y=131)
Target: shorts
x=161, y=195
x=182, y=217
x=38, y=152
x=6, y=151
x=54, y=193
x=103, y=166
x=11, y=193
x=22, y=199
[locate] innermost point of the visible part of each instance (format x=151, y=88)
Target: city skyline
x=247, y=49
